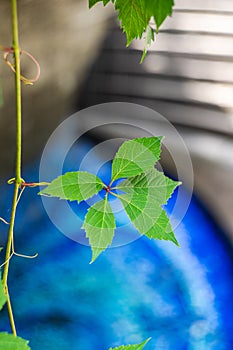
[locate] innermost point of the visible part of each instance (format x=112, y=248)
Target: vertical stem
x=10, y=235
x=16, y=48
x=18, y=179
x=10, y=313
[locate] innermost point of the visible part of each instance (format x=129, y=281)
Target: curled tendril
x=3, y=220
x=7, y=260
x=13, y=252
x=9, y=51
x=13, y=181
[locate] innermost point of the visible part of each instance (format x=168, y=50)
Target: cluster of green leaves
x=135, y=17
x=141, y=189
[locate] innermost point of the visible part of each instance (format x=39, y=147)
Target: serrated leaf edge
x=160, y=138
x=42, y=193
x=85, y=223
x=128, y=345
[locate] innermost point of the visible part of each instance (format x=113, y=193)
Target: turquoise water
x=181, y=297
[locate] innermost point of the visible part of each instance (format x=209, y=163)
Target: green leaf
x=3, y=297
x=162, y=229
x=142, y=202
x=134, y=17
x=160, y=9
x=144, y=188
x=99, y=225
x=133, y=346
x=148, y=218
x=152, y=183
x=148, y=40
x=10, y=342
x=135, y=157
x=74, y=186
x=93, y=2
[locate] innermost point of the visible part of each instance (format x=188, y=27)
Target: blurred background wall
x=64, y=36
x=187, y=76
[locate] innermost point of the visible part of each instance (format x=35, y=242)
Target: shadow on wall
x=187, y=77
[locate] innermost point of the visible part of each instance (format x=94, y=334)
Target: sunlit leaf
x=153, y=183
x=11, y=342
x=143, y=191
x=134, y=17
x=139, y=346
x=74, y=186
x=142, y=202
x=99, y=225
x=160, y=9
x=135, y=157
x=3, y=297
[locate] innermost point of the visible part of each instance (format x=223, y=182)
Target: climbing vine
x=135, y=182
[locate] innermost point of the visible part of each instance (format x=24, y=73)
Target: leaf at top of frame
x=134, y=17
x=93, y=2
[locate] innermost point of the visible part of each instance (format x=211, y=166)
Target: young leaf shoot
x=144, y=190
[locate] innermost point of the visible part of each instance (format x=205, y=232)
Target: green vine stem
x=16, y=48
x=18, y=179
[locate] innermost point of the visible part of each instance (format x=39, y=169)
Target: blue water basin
x=181, y=297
